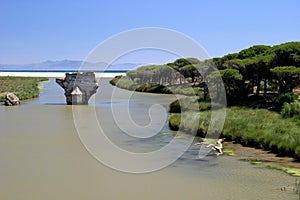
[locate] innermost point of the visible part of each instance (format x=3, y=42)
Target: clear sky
x=35, y=31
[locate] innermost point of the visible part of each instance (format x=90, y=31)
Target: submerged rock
x=79, y=87
x=11, y=99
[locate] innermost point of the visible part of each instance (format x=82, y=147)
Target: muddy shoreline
x=253, y=154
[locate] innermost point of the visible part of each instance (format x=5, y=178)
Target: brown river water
x=42, y=157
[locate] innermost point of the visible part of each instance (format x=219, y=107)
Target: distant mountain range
x=69, y=65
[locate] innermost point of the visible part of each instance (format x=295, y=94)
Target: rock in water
x=79, y=87
x=11, y=99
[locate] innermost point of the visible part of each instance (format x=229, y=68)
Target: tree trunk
x=265, y=88
x=258, y=87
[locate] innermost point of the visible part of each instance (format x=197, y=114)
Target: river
x=42, y=156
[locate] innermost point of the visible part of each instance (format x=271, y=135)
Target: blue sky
x=34, y=31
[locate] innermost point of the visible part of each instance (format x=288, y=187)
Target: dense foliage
x=258, y=77
x=284, y=98
x=259, y=70
x=291, y=110
x=265, y=69
x=23, y=87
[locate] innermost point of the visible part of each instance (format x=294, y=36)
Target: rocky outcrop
x=79, y=87
x=11, y=99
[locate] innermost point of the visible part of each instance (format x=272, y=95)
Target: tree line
x=260, y=70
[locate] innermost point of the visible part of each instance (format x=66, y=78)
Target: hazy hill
x=69, y=65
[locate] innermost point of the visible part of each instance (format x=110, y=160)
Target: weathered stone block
x=79, y=87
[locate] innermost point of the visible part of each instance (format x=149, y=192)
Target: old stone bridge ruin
x=79, y=87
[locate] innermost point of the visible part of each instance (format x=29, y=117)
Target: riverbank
x=261, y=157
x=24, y=87
x=259, y=128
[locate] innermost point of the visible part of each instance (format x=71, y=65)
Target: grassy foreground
x=23, y=87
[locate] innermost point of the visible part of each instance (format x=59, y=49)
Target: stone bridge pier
x=79, y=87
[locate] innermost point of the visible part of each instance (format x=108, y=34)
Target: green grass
x=258, y=128
x=23, y=87
x=190, y=122
x=263, y=129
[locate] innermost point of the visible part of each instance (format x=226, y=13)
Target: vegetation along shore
x=23, y=87
x=261, y=83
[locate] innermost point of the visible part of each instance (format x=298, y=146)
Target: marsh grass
x=259, y=128
x=263, y=129
x=23, y=87
x=194, y=123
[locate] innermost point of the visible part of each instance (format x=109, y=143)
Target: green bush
x=125, y=83
x=115, y=80
x=189, y=104
x=286, y=110
x=153, y=89
x=291, y=110
x=281, y=99
x=174, y=122
x=295, y=109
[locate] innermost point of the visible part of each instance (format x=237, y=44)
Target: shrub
x=291, y=110
x=115, y=80
x=174, y=122
x=153, y=89
x=189, y=104
x=295, y=109
x=175, y=107
x=286, y=110
x=281, y=99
